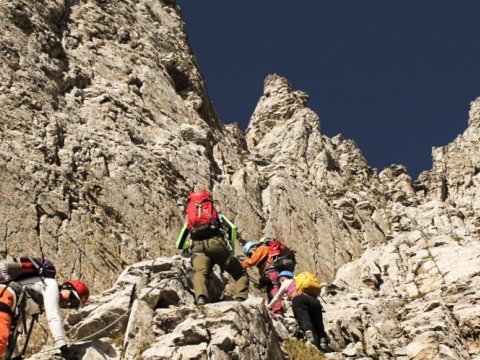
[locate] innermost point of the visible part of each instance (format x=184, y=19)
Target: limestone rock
x=106, y=126
x=411, y=288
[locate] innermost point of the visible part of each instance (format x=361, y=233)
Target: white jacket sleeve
x=52, y=311
x=280, y=293
x=49, y=290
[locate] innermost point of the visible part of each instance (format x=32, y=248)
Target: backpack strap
x=201, y=210
x=6, y=309
x=15, y=290
x=6, y=284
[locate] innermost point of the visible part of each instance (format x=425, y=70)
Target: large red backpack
x=280, y=256
x=202, y=218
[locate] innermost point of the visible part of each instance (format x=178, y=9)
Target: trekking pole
x=12, y=342
x=37, y=267
x=321, y=298
x=34, y=318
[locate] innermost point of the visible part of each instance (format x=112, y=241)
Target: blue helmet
x=248, y=246
x=286, y=273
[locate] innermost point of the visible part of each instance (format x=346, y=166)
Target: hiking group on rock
x=28, y=286
x=211, y=238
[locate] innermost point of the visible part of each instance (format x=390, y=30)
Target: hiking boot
x=310, y=338
x=202, y=300
x=311, y=343
x=324, y=347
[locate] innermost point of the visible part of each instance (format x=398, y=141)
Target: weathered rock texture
x=106, y=126
x=416, y=296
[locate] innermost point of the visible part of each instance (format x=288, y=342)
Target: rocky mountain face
x=106, y=126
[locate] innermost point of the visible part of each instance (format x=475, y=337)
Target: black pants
x=308, y=312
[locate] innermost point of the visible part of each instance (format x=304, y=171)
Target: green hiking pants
x=207, y=253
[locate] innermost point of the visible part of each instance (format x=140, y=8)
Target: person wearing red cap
x=46, y=295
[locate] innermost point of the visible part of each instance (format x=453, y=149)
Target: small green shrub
x=117, y=340
x=143, y=346
x=458, y=239
x=298, y=350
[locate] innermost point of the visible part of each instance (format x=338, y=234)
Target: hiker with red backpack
x=33, y=289
x=211, y=239
x=303, y=291
x=270, y=256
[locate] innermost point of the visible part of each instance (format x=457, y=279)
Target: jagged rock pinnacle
x=474, y=114
x=277, y=105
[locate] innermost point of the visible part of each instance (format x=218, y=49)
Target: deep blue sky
x=395, y=76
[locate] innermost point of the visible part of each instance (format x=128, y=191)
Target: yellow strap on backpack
x=307, y=283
